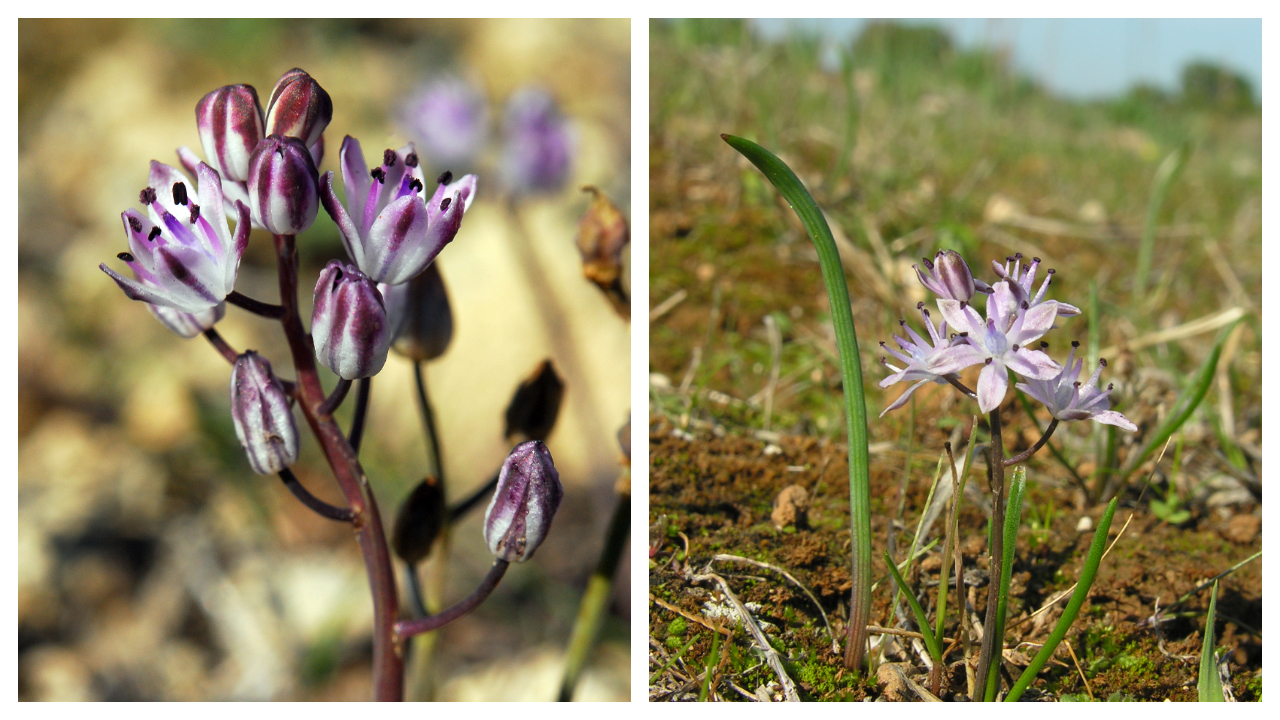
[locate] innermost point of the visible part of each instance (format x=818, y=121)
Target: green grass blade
x=802, y=203
x=1166, y=173
x=1012, y=519
x=712, y=660
x=1182, y=409
x=1091, y=563
x=1210, y=684
x=922, y=620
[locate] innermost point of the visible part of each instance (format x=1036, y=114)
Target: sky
x=1087, y=58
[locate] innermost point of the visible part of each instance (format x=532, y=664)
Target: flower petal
x=1111, y=417
x=399, y=245
x=346, y=228
x=993, y=382
x=962, y=320
x=355, y=176
x=955, y=359
x=902, y=399
x=1033, y=364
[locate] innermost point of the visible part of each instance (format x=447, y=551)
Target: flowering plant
x=261, y=172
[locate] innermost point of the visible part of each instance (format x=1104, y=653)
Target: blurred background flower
x=153, y=563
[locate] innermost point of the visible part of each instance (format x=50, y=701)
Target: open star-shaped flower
x=1068, y=400
x=1000, y=342
x=183, y=254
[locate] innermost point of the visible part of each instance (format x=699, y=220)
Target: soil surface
x=713, y=493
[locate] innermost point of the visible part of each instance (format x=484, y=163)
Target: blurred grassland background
x=153, y=564
x=910, y=144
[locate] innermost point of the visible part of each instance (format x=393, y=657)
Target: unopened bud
x=419, y=314
x=349, y=322
x=536, y=404
x=949, y=277
x=261, y=414
x=283, y=186
x=419, y=521
x=299, y=108
x=524, y=503
x=230, y=124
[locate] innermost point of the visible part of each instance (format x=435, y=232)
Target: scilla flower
x=391, y=230
x=262, y=415
x=1068, y=400
x=450, y=118
x=1000, y=342
x=182, y=253
x=1021, y=279
x=948, y=276
x=919, y=355
x=535, y=156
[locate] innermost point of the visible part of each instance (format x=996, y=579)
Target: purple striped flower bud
x=262, y=415
x=948, y=276
x=349, y=323
x=524, y=503
x=300, y=108
x=230, y=123
x=188, y=325
x=419, y=314
x=536, y=155
x=283, y=185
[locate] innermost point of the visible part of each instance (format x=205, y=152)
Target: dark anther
x=903, y=323
x=964, y=334
x=920, y=306
x=125, y=257
x=988, y=362
x=1044, y=345
x=1051, y=271
x=1017, y=256
x=881, y=343
x=1025, y=305
x=927, y=264
x=179, y=193
x=1016, y=348
x=415, y=184
x=963, y=304
x=1102, y=362
x=1110, y=386
x=883, y=360
x=445, y=178
x=1076, y=383
x=195, y=213
x=155, y=233
x=924, y=312
x=389, y=158
x=411, y=160
x=1036, y=259
x=444, y=204
x=147, y=196
x=135, y=224
x=1075, y=343
x=379, y=174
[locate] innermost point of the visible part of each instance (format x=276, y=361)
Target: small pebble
x=1085, y=524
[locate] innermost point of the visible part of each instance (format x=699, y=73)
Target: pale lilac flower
x=525, y=501
x=1000, y=341
x=262, y=415
x=920, y=355
x=535, y=157
x=1068, y=400
x=388, y=226
x=949, y=277
x=1021, y=279
x=349, y=322
x=450, y=118
x=183, y=254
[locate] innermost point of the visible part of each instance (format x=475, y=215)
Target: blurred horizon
x=1075, y=58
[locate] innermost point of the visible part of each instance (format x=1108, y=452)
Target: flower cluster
x=261, y=172
x=1001, y=341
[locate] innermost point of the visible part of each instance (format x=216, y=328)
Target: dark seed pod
x=419, y=521
x=536, y=405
